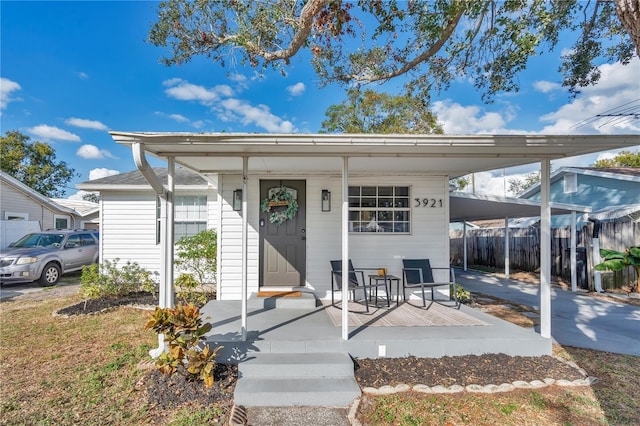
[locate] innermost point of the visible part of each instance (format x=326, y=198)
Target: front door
x=283, y=246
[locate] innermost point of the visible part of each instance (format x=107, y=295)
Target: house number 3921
x=428, y=202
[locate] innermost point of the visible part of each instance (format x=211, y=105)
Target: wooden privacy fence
x=485, y=247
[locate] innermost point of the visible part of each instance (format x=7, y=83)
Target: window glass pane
x=384, y=215
x=385, y=202
x=402, y=202
x=385, y=191
x=354, y=202
x=369, y=191
x=354, y=191
x=402, y=190
x=368, y=202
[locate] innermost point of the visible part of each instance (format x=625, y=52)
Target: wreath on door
x=281, y=204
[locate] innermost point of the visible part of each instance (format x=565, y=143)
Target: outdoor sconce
x=237, y=200
x=326, y=200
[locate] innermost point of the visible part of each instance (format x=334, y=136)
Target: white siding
x=14, y=201
x=128, y=226
x=428, y=238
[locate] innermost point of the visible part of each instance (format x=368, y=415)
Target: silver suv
x=45, y=256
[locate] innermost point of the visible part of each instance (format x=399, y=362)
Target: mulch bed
x=461, y=370
x=93, y=306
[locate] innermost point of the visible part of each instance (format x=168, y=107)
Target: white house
x=375, y=199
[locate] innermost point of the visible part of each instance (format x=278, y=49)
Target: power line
x=626, y=113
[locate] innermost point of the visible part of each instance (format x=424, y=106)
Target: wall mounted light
x=326, y=200
x=237, y=200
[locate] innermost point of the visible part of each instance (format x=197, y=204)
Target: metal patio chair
x=419, y=273
x=354, y=282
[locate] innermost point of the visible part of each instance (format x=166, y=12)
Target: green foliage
x=107, y=280
x=517, y=186
x=280, y=205
x=619, y=260
x=189, y=290
x=463, y=295
x=197, y=254
x=368, y=111
x=429, y=44
x=34, y=164
x=184, y=331
x=622, y=159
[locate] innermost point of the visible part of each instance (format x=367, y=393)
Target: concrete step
x=296, y=379
x=310, y=392
x=305, y=301
x=285, y=365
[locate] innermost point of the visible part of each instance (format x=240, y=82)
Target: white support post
x=245, y=233
x=169, y=293
x=345, y=248
x=545, y=250
x=573, y=260
x=506, y=247
x=464, y=244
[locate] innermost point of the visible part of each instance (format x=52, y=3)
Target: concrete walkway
x=576, y=319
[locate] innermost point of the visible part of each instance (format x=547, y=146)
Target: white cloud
x=83, y=75
x=102, y=172
x=296, y=89
x=53, y=133
x=92, y=152
x=618, y=86
x=6, y=87
x=458, y=119
x=78, y=195
x=185, y=91
x=179, y=118
x=259, y=115
x=86, y=124
x=546, y=86
x=240, y=80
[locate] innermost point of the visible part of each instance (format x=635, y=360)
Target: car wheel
x=50, y=275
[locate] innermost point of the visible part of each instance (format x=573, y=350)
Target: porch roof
x=457, y=155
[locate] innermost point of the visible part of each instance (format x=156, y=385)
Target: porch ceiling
x=454, y=155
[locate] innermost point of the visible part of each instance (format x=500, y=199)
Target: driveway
x=576, y=319
x=68, y=285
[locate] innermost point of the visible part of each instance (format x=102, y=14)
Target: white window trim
x=22, y=216
x=570, y=183
x=61, y=216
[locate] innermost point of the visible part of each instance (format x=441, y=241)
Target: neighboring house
x=131, y=214
x=24, y=210
x=612, y=193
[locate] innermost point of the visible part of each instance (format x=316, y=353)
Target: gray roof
x=182, y=177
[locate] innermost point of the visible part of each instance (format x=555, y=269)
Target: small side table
x=390, y=279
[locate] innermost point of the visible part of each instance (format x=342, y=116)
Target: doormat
x=279, y=294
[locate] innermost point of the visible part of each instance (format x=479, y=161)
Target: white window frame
x=398, y=203
x=184, y=218
x=16, y=216
x=61, y=216
x=570, y=183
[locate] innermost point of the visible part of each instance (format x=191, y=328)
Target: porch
x=303, y=325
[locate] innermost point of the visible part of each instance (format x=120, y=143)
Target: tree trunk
x=629, y=13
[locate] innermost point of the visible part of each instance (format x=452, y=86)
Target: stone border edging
x=491, y=388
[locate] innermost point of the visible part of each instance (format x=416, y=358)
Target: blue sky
x=72, y=71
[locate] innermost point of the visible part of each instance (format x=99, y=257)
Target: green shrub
x=107, y=280
x=196, y=259
x=463, y=294
x=184, y=330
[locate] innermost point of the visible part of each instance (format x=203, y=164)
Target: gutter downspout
x=165, y=287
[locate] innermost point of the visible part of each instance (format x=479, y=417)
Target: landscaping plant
x=618, y=260
x=196, y=258
x=108, y=280
x=184, y=331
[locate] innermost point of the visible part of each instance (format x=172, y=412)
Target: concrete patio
x=302, y=325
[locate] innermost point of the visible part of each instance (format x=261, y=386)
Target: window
x=61, y=222
x=16, y=216
x=570, y=183
x=190, y=216
x=382, y=209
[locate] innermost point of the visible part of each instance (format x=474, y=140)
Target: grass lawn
x=63, y=371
